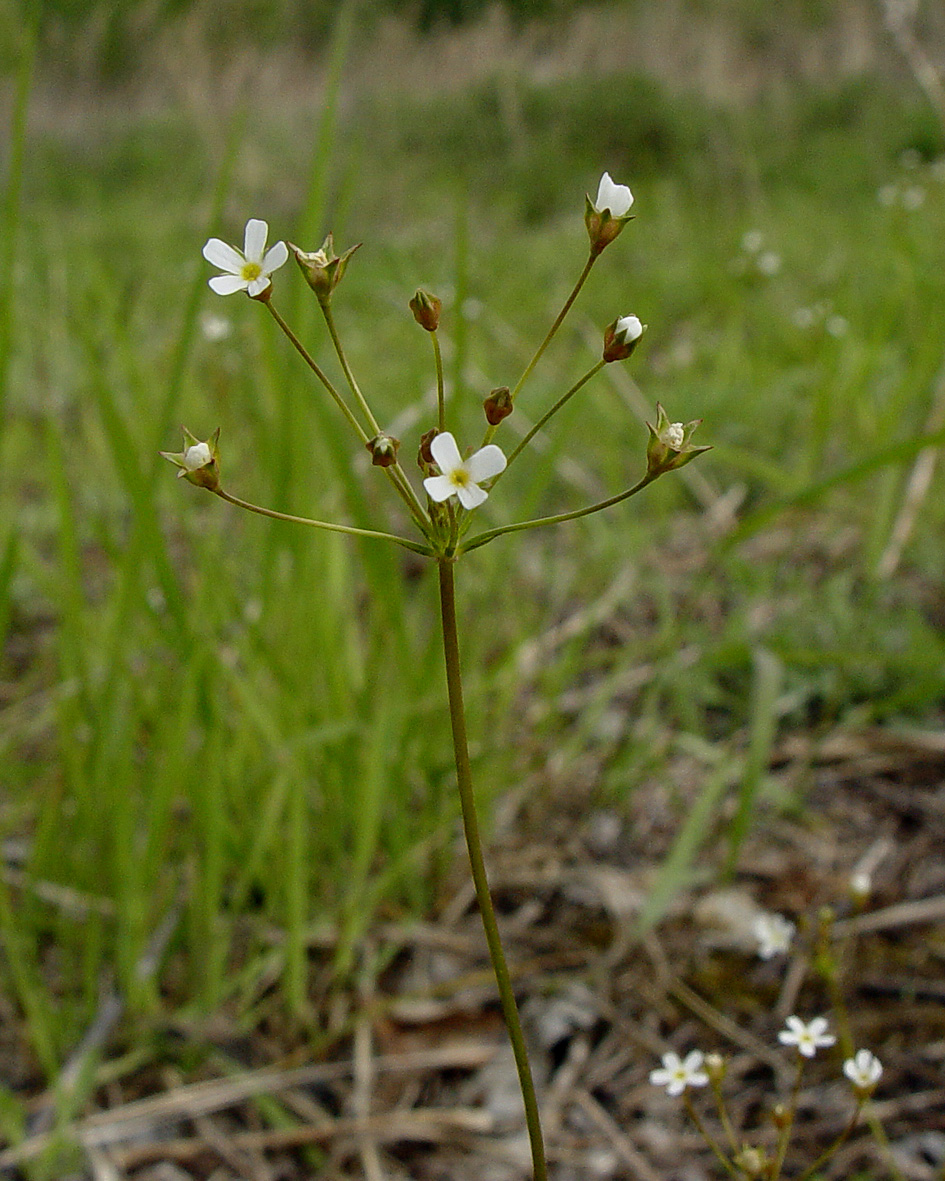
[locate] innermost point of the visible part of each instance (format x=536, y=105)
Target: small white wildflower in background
x=937, y=168
x=803, y=318
x=913, y=198
x=752, y=241
x=462, y=478
x=774, y=934
x=910, y=158
x=837, y=325
x=863, y=1070
x=616, y=198
x=247, y=269
x=676, y=1074
x=861, y=885
x=807, y=1036
x=769, y=263
x=887, y=195
x=215, y=328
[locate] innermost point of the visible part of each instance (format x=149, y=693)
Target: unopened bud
x=607, y=216
x=622, y=337
x=383, y=449
x=751, y=1161
x=426, y=310
x=498, y=405
x=780, y=1116
x=715, y=1067
x=425, y=455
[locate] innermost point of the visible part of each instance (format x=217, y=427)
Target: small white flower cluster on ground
x=863, y=1070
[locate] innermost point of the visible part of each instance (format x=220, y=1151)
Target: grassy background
x=207, y=706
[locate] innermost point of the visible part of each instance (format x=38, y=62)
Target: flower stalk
x=454, y=684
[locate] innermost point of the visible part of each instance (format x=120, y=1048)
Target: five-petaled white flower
x=808, y=1036
x=678, y=1073
x=462, y=478
x=773, y=931
x=616, y=198
x=863, y=1070
x=247, y=269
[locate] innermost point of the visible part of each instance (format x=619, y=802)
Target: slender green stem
x=553, y=411
x=708, y=1138
x=492, y=534
x=474, y=846
x=784, y=1133
x=319, y=373
x=355, y=388
x=837, y=1144
x=440, y=393
x=592, y=258
x=351, y=530
x=395, y=474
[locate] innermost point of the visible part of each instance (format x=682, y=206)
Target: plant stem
x=474, y=846
x=565, y=398
x=592, y=258
x=491, y=534
x=350, y=530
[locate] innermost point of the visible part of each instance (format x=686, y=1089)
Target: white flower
x=752, y=241
x=678, y=1073
x=462, y=478
x=196, y=457
x=247, y=269
x=769, y=263
x=863, y=1070
x=808, y=1036
x=774, y=934
x=616, y=198
x=215, y=328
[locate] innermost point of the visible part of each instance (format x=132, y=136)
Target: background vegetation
x=205, y=707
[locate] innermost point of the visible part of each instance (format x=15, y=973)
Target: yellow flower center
x=250, y=271
x=459, y=477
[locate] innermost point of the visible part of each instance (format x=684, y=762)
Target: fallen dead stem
x=144, y=1116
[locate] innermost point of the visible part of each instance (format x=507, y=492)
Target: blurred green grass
x=201, y=701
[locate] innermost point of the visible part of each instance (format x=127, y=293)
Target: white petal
x=439, y=488
x=224, y=256
x=616, y=198
x=255, y=241
x=446, y=453
x=227, y=284
x=258, y=285
x=487, y=462
x=274, y=258
x=470, y=495
x=629, y=328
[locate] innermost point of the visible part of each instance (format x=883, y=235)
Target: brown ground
x=417, y=1081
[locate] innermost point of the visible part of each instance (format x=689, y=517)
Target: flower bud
x=426, y=310
x=498, y=405
x=199, y=462
x=425, y=455
x=622, y=337
x=751, y=1161
x=669, y=446
x=383, y=449
x=715, y=1067
x=607, y=216
x=322, y=268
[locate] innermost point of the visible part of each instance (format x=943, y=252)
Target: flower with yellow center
x=247, y=269
x=462, y=478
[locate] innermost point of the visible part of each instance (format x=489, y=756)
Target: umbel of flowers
x=453, y=484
